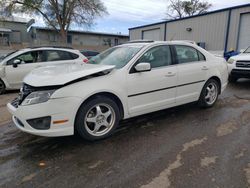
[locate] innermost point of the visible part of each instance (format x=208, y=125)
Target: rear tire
x=97, y=119
x=209, y=93
x=2, y=87
x=232, y=79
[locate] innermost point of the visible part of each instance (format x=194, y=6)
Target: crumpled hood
x=241, y=57
x=62, y=74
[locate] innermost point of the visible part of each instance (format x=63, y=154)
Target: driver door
x=29, y=61
x=155, y=89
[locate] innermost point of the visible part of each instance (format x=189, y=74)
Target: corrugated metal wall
x=138, y=33
x=210, y=29
x=234, y=27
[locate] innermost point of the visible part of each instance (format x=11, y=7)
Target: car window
x=158, y=56
x=57, y=55
x=201, y=56
x=73, y=56
x=28, y=57
x=186, y=54
x=7, y=55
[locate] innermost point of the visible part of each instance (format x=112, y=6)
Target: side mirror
x=143, y=67
x=16, y=62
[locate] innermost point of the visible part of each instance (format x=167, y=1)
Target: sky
x=124, y=14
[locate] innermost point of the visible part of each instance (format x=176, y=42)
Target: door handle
x=204, y=68
x=170, y=74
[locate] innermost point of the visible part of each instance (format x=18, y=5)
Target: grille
x=244, y=64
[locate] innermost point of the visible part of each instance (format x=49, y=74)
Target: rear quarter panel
x=218, y=68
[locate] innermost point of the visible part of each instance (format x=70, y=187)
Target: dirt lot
x=4, y=99
x=182, y=147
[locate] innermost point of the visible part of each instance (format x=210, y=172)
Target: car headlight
x=231, y=61
x=37, y=97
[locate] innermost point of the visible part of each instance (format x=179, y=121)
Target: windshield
x=247, y=50
x=6, y=55
x=118, y=56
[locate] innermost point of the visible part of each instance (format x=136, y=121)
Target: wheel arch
x=110, y=95
x=4, y=84
x=218, y=80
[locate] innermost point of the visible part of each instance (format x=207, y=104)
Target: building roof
x=211, y=12
x=82, y=32
x=14, y=19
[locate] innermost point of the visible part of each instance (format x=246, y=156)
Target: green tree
x=183, y=8
x=57, y=14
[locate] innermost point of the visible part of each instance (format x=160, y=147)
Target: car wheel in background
x=97, y=118
x=232, y=79
x=2, y=87
x=209, y=93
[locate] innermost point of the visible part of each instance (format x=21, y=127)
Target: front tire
x=97, y=118
x=209, y=94
x=2, y=87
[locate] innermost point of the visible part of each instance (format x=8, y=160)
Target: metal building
x=77, y=39
x=218, y=30
x=13, y=31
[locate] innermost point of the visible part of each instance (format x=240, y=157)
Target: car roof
x=84, y=50
x=47, y=48
x=150, y=43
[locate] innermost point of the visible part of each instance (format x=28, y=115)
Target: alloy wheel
x=99, y=120
x=211, y=93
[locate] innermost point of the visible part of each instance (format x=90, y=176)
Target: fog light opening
x=42, y=123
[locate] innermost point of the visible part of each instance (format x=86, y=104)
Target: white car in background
x=122, y=82
x=16, y=65
x=239, y=66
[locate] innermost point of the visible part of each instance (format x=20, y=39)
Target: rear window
x=73, y=56
x=57, y=55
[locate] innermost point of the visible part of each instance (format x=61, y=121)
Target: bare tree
x=57, y=14
x=179, y=8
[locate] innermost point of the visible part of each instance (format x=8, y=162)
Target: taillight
x=85, y=60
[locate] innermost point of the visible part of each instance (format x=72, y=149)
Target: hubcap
x=99, y=119
x=211, y=93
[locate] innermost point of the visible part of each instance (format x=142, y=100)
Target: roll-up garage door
x=244, y=33
x=153, y=34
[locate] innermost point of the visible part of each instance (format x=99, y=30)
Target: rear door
x=192, y=72
x=29, y=61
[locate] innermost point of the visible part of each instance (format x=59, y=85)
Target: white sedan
x=122, y=82
x=16, y=65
